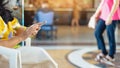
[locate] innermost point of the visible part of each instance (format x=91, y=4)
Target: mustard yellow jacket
x=7, y=30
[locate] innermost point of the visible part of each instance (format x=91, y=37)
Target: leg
x=73, y=22
x=111, y=37
x=77, y=22
x=100, y=28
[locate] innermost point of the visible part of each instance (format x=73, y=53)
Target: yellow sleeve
x=3, y=27
x=1, y=33
x=15, y=23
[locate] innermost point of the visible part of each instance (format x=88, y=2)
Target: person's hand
x=18, y=31
x=96, y=17
x=31, y=31
x=34, y=29
x=108, y=21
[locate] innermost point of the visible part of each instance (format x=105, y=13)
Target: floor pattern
x=60, y=57
x=89, y=57
x=85, y=59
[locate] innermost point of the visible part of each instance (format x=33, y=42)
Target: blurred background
x=68, y=29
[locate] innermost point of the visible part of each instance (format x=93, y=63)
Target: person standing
x=106, y=16
x=75, y=14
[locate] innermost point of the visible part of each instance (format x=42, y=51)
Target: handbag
x=92, y=23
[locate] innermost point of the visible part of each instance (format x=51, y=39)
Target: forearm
x=11, y=42
x=20, y=30
x=114, y=8
x=98, y=11
x=30, y=31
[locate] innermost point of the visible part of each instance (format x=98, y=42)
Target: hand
x=37, y=27
x=34, y=29
x=18, y=31
x=96, y=17
x=31, y=31
x=108, y=21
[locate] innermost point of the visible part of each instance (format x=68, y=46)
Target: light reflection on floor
x=76, y=35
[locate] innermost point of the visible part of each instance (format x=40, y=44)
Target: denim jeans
x=99, y=30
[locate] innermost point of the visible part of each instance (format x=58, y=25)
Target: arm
x=30, y=31
x=14, y=40
x=98, y=11
x=19, y=30
x=11, y=42
x=93, y=20
x=114, y=7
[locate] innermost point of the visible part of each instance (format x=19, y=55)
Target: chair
x=48, y=28
x=13, y=55
x=26, y=56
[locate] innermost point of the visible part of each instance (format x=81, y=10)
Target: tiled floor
x=72, y=38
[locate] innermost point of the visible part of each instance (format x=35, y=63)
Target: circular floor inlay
x=85, y=58
x=76, y=58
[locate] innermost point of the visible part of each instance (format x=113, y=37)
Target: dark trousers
x=99, y=30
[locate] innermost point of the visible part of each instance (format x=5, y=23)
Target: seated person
x=11, y=32
x=45, y=14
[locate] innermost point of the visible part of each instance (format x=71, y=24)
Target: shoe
x=108, y=60
x=99, y=57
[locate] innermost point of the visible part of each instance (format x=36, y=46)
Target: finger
x=35, y=32
x=34, y=27
x=42, y=23
x=38, y=28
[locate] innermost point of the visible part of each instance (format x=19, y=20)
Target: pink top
x=107, y=6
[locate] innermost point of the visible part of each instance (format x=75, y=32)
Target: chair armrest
x=11, y=55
